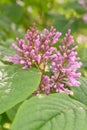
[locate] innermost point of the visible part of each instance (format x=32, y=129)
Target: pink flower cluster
x=64, y=64
x=58, y=67
x=36, y=48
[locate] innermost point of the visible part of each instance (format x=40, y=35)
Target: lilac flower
x=35, y=48
x=62, y=65
x=45, y=84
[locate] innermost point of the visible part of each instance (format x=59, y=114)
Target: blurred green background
x=16, y=16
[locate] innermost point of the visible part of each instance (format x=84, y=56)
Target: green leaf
x=11, y=11
x=53, y=112
x=12, y=112
x=16, y=85
x=80, y=93
x=75, y=6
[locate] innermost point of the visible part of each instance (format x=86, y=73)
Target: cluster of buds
x=58, y=67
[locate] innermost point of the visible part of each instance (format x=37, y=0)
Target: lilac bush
x=58, y=67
